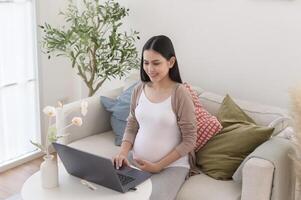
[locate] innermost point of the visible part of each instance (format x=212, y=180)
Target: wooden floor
x=12, y=180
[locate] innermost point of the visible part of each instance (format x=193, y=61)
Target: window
x=19, y=105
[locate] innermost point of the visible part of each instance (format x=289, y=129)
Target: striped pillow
x=207, y=124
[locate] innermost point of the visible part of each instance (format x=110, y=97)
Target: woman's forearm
x=126, y=146
x=169, y=158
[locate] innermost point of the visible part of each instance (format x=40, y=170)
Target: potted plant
x=92, y=41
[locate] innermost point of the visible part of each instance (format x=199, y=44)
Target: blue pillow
x=120, y=109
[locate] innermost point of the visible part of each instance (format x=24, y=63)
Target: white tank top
x=158, y=132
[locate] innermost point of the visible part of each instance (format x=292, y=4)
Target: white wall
x=247, y=48
x=58, y=79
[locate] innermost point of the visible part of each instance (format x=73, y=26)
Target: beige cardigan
x=183, y=107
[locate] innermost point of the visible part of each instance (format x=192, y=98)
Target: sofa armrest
x=96, y=121
x=276, y=151
x=257, y=179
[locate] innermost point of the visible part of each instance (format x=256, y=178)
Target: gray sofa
x=96, y=136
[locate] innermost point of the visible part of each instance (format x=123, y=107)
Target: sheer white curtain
x=19, y=118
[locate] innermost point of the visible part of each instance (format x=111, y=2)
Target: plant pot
x=49, y=172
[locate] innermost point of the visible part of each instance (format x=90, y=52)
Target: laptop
x=99, y=170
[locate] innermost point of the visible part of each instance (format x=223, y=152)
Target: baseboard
x=21, y=160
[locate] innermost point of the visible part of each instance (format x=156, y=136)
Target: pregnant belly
x=151, y=148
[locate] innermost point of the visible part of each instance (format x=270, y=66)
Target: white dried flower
x=50, y=111
x=77, y=121
x=84, y=108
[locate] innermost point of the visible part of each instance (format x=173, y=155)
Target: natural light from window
x=19, y=118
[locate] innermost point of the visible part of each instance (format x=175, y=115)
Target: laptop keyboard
x=125, y=179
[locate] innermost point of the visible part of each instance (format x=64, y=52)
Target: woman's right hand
x=119, y=160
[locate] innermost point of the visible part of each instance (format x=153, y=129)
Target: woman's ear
x=172, y=61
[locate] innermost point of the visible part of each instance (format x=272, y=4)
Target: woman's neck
x=162, y=85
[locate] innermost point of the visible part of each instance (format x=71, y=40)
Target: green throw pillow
x=223, y=153
x=230, y=113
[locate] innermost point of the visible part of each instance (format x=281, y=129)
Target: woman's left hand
x=148, y=166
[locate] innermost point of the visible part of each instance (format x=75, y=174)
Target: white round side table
x=70, y=188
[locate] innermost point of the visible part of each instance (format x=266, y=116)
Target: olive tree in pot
x=91, y=39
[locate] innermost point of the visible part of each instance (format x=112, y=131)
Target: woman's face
x=156, y=66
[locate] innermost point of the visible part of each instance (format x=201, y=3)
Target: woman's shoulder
x=137, y=89
x=181, y=94
x=181, y=90
x=182, y=99
x=139, y=85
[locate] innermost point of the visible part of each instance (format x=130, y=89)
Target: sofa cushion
x=99, y=144
x=96, y=121
x=239, y=137
x=131, y=79
x=207, y=124
x=198, y=90
x=120, y=109
x=203, y=187
x=230, y=113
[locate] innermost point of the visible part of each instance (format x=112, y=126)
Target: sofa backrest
x=261, y=114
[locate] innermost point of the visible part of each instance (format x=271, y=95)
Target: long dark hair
x=162, y=45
